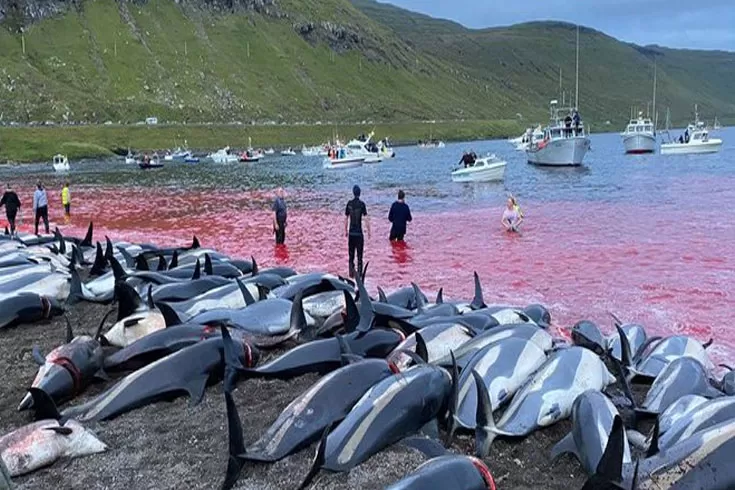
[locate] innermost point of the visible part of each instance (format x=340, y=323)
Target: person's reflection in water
x=401, y=252
x=281, y=255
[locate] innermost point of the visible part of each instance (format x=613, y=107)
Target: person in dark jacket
x=279, y=217
x=399, y=215
x=12, y=205
x=354, y=211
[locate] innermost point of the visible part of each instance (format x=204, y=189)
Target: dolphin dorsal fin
x=478, y=302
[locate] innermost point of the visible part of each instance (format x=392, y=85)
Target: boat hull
x=488, y=173
x=639, y=143
x=562, y=152
x=711, y=146
x=61, y=167
x=146, y=166
x=344, y=163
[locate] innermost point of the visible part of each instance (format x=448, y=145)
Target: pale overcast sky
x=708, y=24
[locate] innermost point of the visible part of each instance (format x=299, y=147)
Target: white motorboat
x=313, y=151
x=562, y=143
x=530, y=137
x=288, y=153
x=130, y=159
x=270, y=151
x=349, y=161
x=61, y=163
x=223, y=155
x=178, y=154
x=565, y=141
x=487, y=169
x=373, y=153
x=639, y=136
x=695, y=140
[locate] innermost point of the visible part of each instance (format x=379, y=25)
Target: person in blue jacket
x=399, y=215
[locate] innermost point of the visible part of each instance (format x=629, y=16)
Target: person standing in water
x=12, y=206
x=40, y=207
x=399, y=215
x=66, y=201
x=354, y=211
x=512, y=215
x=279, y=217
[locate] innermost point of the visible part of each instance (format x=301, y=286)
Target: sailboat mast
x=576, y=96
x=561, y=91
x=654, y=95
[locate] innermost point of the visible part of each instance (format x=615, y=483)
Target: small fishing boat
x=178, y=154
x=431, y=144
x=130, y=158
x=639, y=136
x=487, y=169
x=223, y=155
x=288, y=153
x=270, y=151
x=148, y=162
x=346, y=162
x=250, y=156
x=61, y=163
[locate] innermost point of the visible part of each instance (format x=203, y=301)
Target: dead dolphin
x=27, y=308
x=189, y=371
x=662, y=353
x=700, y=418
x=593, y=415
x=682, y=376
x=586, y=334
x=680, y=408
x=450, y=472
x=68, y=369
x=438, y=340
x=43, y=442
x=303, y=421
x=545, y=398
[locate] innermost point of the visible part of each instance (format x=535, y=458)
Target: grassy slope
x=124, y=61
x=614, y=76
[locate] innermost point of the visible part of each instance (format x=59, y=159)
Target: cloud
x=673, y=23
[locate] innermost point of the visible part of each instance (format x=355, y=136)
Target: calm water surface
x=649, y=238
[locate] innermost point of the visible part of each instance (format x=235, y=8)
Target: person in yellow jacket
x=66, y=201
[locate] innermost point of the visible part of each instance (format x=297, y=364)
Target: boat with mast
x=565, y=141
x=640, y=134
x=695, y=140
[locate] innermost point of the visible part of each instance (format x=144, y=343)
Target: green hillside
x=524, y=60
x=333, y=61
x=312, y=60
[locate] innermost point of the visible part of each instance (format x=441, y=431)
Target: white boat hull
x=560, y=152
x=339, y=163
x=639, y=143
x=692, y=148
x=130, y=161
x=61, y=167
x=373, y=159
x=487, y=173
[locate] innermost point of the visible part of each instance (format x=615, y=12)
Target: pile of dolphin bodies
x=394, y=369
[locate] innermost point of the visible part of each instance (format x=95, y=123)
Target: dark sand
x=170, y=445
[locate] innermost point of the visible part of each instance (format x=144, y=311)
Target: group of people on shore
x=399, y=217
x=12, y=204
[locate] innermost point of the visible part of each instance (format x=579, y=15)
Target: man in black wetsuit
x=279, y=218
x=354, y=211
x=399, y=215
x=12, y=205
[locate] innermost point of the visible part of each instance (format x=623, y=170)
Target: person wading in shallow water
x=40, y=207
x=399, y=215
x=279, y=217
x=354, y=211
x=12, y=206
x=512, y=215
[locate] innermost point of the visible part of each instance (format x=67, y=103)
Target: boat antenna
x=654, y=95
x=576, y=97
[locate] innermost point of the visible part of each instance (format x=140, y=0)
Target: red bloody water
x=653, y=250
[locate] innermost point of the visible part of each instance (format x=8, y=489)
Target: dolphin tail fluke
x=43, y=405
x=127, y=298
x=169, y=314
x=162, y=265
x=208, y=269
x=381, y=295
x=249, y=300
x=453, y=405
x=352, y=318
x=87, y=242
x=484, y=423
x=234, y=428
x=98, y=268
x=609, y=471
x=319, y=459
x=174, y=260
x=565, y=446
x=478, y=302
x=440, y=296
x=197, y=271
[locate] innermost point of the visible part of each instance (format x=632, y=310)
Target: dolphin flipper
x=566, y=445
x=319, y=459
x=195, y=387
x=610, y=468
x=237, y=447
